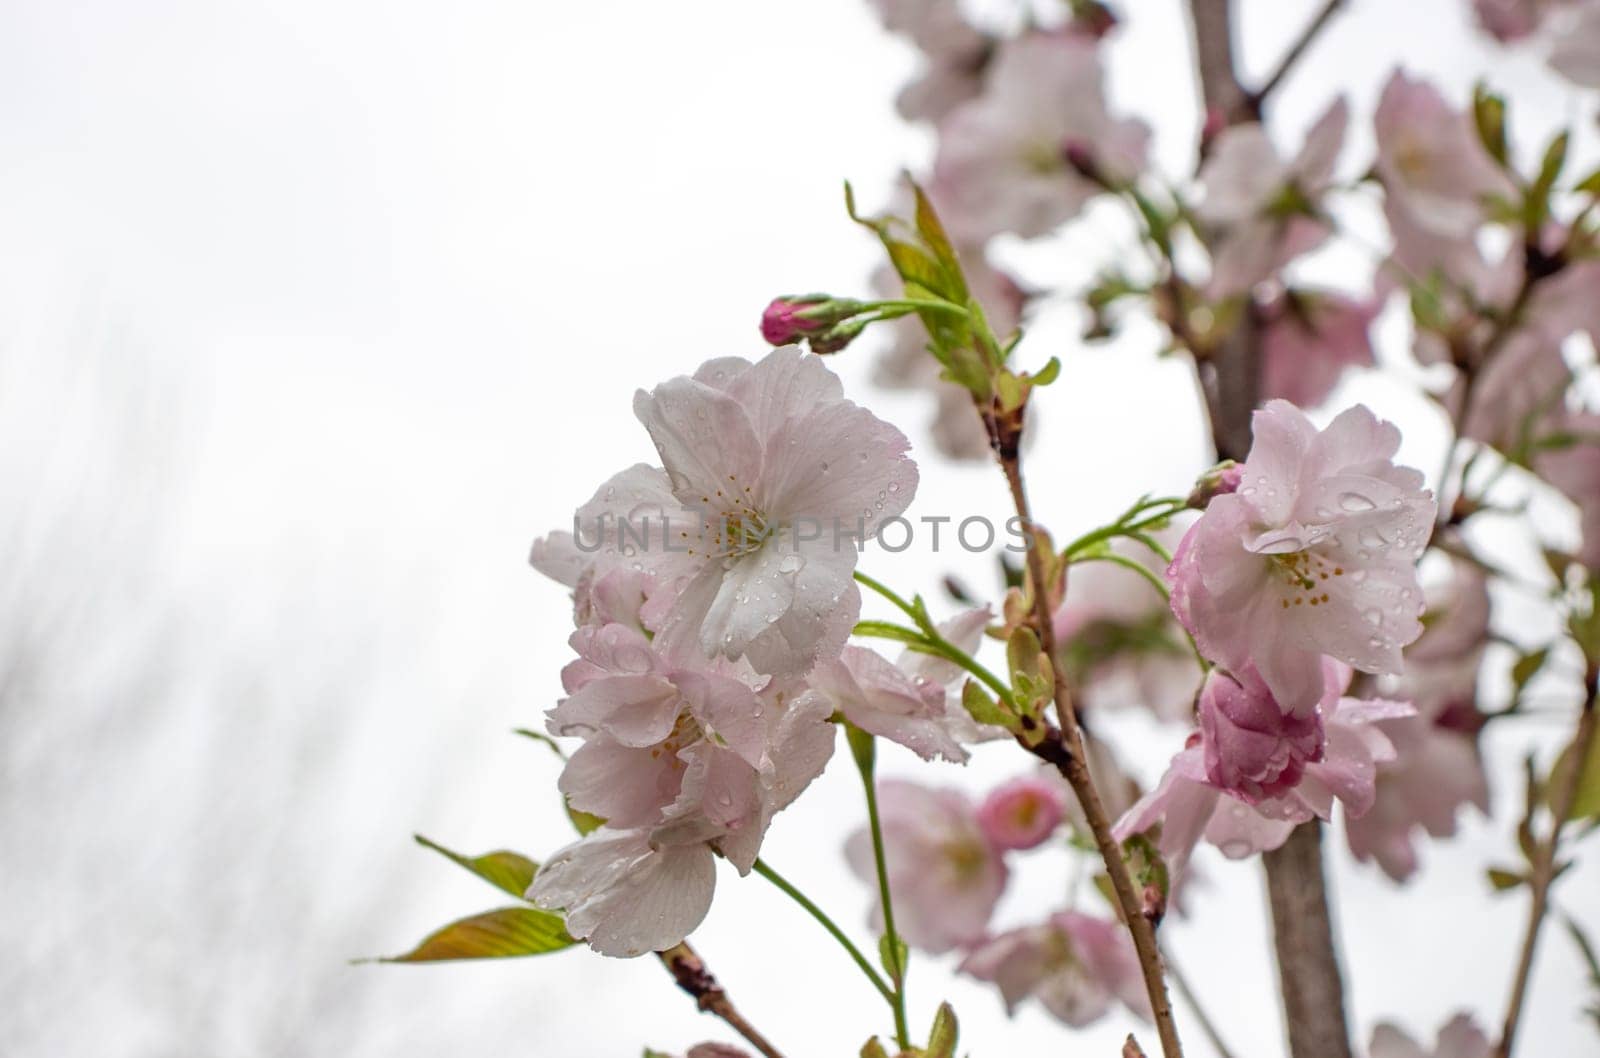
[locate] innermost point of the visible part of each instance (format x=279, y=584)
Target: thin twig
x=692, y=976
x=1259, y=97
x=1072, y=761
x=1544, y=871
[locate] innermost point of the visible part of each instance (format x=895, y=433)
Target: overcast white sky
x=382, y=278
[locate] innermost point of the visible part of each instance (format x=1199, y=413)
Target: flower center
x=1306, y=573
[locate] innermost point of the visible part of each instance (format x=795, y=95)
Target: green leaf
x=985, y=709
x=1527, y=666
x=507, y=933
x=1489, y=115
x=1586, y=947
x=893, y=956
x=509, y=871
x=540, y=736
x=1589, y=185
x=943, y=1036
x=583, y=821
x=1587, y=801
x=889, y=630
x=933, y=236
x=873, y=1049
x=1503, y=879
x=1048, y=373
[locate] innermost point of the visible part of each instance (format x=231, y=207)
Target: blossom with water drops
x=1314, y=554
x=1189, y=804
x=749, y=534
x=683, y=763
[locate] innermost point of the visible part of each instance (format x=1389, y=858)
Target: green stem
x=1138, y=567
x=939, y=647
x=1122, y=527
x=863, y=749
x=821, y=916
x=907, y=608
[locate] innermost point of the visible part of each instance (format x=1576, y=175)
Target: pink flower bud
x=1021, y=814
x=782, y=323
x=1254, y=749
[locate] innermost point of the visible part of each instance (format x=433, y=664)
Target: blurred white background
x=313, y=314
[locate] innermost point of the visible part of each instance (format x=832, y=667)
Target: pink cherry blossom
x=1510, y=20
x=1308, y=342
x=1253, y=749
x=1264, y=208
x=964, y=631
x=772, y=481
x=956, y=55
x=1189, y=805
x=1437, y=767
x=1575, y=54
x=1434, y=169
x=944, y=875
x=1022, y=813
x=716, y=1050
x=1002, y=162
x=782, y=322
x=1076, y=965
x=1459, y=1038
x=1315, y=554
x=681, y=763
x=1118, y=640
x=882, y=699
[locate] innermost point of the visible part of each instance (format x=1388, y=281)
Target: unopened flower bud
x=1021, y=814
x=1220, y=480
x=789, y=319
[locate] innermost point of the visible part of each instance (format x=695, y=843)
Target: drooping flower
x=772, y=482
x=1117, y=639
x=1189, y=805
x=1266, y=210
x=1459, y=1038
x=682, y=763
x=1309, y=340
x=1433, y=167
x=944, y=876
x=1314, y=554
x=1437, y=768
x=1023, y=813
x=1076, y=965
x=1253, y=748
x=1003, y=161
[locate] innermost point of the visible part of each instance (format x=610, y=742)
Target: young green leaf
x=506, y=933
x=509, y=871
x=945, y=1033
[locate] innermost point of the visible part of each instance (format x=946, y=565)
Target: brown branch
x=1069, y=756
x=1302, y=933
x=1258, y=98
x=1544, y=871
x=693, y=977
x=1131, y=1048
x=1308, y=968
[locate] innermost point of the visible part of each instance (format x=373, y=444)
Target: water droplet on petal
x=1354, y=501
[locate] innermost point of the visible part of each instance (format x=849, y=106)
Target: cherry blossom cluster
x=1319, y=630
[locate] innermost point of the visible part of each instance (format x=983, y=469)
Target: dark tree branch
x=1308, y=968
x=1307, y=37
x=693, y=977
